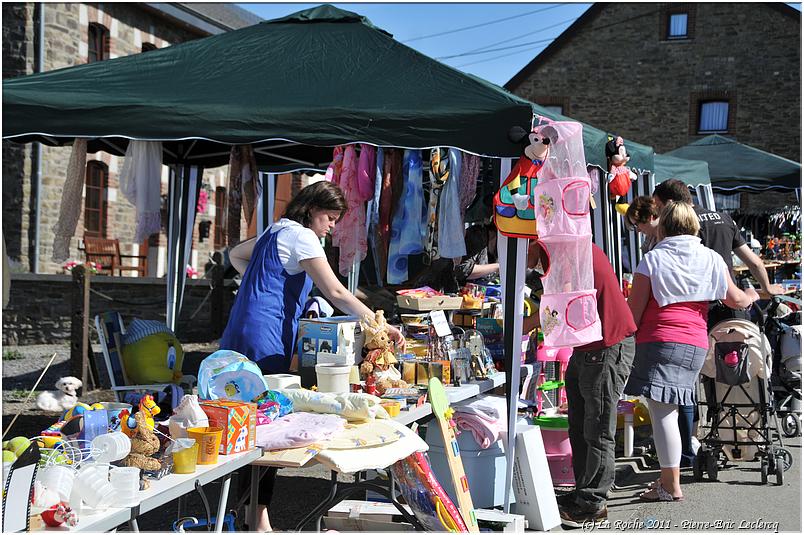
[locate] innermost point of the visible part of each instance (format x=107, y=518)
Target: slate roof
x=229, y=15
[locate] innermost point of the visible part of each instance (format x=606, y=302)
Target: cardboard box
x=339, y=335
x=238, y=421
x=533, y=488
x=438, y=302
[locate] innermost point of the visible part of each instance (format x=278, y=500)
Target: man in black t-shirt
x=718, y=232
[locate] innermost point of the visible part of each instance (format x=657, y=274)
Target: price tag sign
x=440, y=323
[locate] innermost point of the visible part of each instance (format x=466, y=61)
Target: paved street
x=737, y=497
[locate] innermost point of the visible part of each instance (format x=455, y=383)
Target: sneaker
x=566, y=500
x=575, y=518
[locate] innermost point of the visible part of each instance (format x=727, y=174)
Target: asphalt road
x=737, y=501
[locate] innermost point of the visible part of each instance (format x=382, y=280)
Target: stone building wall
x=618, y=72
x=18, y=55
x=39, y=309
x=66, y=28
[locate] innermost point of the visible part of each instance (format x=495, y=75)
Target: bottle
x=731, y=359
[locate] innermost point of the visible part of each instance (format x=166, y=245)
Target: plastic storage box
x=557, y=447
x=485, y=469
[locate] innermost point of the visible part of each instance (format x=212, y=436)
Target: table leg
x=319, y=510
x=254, y=492
x=133, y=525
x=222, y=503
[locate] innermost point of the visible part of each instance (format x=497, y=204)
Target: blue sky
x=494, y=49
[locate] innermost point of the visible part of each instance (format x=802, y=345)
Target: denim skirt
x=666, y=372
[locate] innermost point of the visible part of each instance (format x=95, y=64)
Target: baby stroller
x=783, y=328
x=740, y=413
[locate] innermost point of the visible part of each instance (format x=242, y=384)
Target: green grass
x=12, y=354
x=16, y=394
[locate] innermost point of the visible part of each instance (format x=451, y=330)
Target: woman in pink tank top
x=669, y=301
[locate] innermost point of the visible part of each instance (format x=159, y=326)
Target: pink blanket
x=485, y=431
x=298, y=429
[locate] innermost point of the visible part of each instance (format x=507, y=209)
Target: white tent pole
x=261, y=192
x=174, y=184
x=191, y=179
x=511, y=252
x=271, y=199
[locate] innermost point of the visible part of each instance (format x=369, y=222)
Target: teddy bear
x=379, y=360
x=144, y=443
x=620, y=176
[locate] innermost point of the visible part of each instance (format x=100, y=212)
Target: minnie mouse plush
x=620, y=176
x=514, y=212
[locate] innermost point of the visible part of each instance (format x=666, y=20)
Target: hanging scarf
x=350, y=233
x=406, y=228
x=439, y=173
x=470, y=169
x=243, y=164
x=374, y=214
x=366, y=171
x=141, y=184
x=71, y=200
x=392, y=184
x=333, y=173
x=235, y=198
x=450, y=222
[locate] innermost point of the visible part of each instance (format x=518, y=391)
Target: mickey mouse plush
x=514, y=212
x=620, y=176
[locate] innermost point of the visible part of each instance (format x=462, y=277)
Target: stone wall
x=18, y=55
x=66, y=26
x=617, y=72
x=40, y=307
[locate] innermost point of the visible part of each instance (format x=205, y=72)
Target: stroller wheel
x=711, y=466
x=784, y=458
x=790, y=425
x=763, y=470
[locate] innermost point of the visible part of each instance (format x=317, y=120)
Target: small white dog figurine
x=65, y=398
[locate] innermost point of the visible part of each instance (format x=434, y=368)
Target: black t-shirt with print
x=719, y=232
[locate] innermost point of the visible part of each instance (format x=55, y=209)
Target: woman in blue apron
x=279, y=269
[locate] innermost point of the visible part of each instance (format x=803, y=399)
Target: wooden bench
x=106, y=253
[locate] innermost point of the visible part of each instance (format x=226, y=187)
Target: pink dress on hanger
x=349, y=234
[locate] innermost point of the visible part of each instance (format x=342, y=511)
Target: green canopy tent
x=734, y=166
x=291, y=86
x=692, y=172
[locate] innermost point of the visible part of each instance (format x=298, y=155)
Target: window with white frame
x=713, y=117
x=677, y=26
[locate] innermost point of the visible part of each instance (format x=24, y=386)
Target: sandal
x=659, y=494
x=653, y=484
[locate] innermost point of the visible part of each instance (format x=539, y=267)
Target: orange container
x=208, y=440
x=238, y=421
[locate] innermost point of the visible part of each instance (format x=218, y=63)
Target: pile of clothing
x=484, y=418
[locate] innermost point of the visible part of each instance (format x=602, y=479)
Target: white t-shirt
x=295, y=244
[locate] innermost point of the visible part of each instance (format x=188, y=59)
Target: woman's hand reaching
x=396, y=336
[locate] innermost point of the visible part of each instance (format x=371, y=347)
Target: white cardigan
x=681, y=269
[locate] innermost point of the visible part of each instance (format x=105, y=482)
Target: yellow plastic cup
x=208, y=440
x=184, y=460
